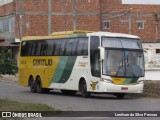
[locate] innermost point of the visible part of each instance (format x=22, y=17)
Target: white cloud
x=150, y=2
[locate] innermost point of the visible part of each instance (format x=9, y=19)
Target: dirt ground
x=9, y=78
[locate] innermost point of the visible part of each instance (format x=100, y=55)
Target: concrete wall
x=153, y=74
x=152, y=55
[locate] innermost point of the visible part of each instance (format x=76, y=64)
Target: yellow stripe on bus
x=118, y=80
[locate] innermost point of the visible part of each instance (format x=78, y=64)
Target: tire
x=32, y=85
x=83, y=89
x=68, y=92
x=120, y=95
x=38, y=85
x=46, y=90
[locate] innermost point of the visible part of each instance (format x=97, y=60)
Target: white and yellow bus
x=84, y=61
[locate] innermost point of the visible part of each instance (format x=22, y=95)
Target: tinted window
x=24, y=48
x=32, y=48
x=82, y=48
x=50, y=48
x=38, y=50
x=74, y=47
x=59, y=47
x=69, y=46
x=44, y=47
x=95, y=56
x=121, y=43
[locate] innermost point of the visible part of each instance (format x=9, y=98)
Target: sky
x=153, y=2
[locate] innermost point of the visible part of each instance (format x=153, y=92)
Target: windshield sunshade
x=123, y=63
x=121, y=43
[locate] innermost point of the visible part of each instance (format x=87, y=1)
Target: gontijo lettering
x=42, y=62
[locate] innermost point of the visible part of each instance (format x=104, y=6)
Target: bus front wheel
x=120, y=95
x=39, y=88
x=83, y=89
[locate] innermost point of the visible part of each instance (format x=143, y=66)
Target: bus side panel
x=23, y=71
x=68, y=77
x=44, y=67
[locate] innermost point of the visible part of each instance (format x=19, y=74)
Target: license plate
x=124, y=88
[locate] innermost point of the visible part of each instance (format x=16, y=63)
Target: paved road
x=77, y=103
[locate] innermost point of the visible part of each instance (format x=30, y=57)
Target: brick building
x=42, y=17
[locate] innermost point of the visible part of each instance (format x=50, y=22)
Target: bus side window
x=74, y=47
x=25, y=48
x=59, y=47
x=85, y=49
x=50, y=47
x=31, y=48
x=82, y=48
x=44, y=46
x=95, y=56
x=37, y=53
x=62, y=48
x=69, y=46
x=79, y=48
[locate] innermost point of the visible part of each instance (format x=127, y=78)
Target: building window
x=157, y=51
x=140, y=25
x=1, y=26
x=106, y=24
x=7, y=25
x=3, y=2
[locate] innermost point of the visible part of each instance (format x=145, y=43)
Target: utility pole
x=156, y=23
x=74, y=17
x=20, y=19
x=49, y=17
x=129, y=24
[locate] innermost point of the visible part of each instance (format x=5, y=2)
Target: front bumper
x=114, y=88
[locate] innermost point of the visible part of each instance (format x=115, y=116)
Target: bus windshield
x=120, y=63
x=126, y=60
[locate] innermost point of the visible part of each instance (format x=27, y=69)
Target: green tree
x=8, y=65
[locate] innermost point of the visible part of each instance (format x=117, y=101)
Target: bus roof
x=62, y=34
x=78, y=33
x=71, y=32
x=110, y=34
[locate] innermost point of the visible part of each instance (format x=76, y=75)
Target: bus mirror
x=102, y=53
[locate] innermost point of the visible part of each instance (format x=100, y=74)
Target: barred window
x=106, y=24
x=140, y=25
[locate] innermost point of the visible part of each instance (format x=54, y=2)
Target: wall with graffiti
x=152, y=55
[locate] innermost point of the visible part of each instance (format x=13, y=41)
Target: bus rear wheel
x=32, y=85
x=38, y=85
x=83, y=89
x=39, y=88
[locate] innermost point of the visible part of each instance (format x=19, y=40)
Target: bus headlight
x=107, y=80
x=140, y=81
